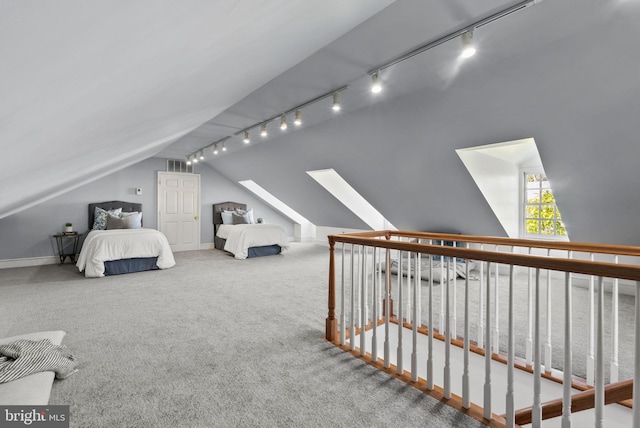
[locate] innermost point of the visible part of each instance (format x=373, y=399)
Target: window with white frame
x=541, y=215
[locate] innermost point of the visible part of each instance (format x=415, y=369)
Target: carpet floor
x=212, y=342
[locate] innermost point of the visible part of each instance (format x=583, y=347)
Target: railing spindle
x=414, y=352
x=443, y=278
x=536, y=408
x=496, y=311
x=547, y=343
x=454, y=300
x=567, y=364
x=343, y=316
x=487, y=354
x=636, y=362
x=599, y=374
x=374, y=315
x=387, y=312
x=430, y=338
x=480, y=307
x=417, y=301
x=591, y=352
x=529, y=341
x=613, y=374
x=363, y=301
x=447, y=337
x=510, y=405
x=352, y=323
x=466, y=399
x=400, y=351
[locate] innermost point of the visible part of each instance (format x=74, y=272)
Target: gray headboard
x=110, y=205
x=225, y=206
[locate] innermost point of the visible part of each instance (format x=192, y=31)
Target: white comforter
x=242, y=236
x=105, y=245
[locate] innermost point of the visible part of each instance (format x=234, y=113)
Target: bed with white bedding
x=243, y=239
x=236, y=232
x=117, y=243
x=104, y=246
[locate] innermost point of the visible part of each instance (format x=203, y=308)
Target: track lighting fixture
x=336, y=102
x=468, y=49
x=376, y=87
x=201, y=155
x=224, y=146
x=465, y=33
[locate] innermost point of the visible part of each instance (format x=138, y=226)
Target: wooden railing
x=370, y=296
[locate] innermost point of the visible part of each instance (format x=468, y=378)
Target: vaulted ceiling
x=89, y=87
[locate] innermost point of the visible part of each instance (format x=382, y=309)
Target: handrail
x=584, y=247
x=594, y=268
x=613, y=393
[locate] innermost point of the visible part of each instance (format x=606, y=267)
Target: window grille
x=541, y=214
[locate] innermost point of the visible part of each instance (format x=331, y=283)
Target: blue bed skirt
x=267, y=250
x=140, y=264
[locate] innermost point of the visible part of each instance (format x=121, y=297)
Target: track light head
x=201, y=155
x=376, y=87
x=224, y=146
x=215, y=149
x=468, y=49
x=194, y=159
x=298, y=119
x=246, y=140
x=263, y=130
x=283, y=122
x=189, y=160
x=336, y=102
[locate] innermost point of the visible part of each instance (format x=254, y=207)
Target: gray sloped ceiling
x=574, y=90
x=562, y=71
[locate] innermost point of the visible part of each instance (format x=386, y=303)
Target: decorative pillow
x=250, y=216
x=131, y=221
x=227, y=217
x=240, y=219
x=100, y=217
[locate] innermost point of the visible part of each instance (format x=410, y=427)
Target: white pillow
x=227, y=217
x=250, y=216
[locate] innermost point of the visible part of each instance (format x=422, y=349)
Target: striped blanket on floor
x=24, y=357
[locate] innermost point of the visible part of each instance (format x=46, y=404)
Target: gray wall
x=29, y=233
x=579, y=102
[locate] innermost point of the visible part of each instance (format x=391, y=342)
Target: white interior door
x=179, y=209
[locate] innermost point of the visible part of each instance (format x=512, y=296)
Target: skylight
x=307, y=229
x=341, y=190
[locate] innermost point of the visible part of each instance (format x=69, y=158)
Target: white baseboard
x=207, y=246
x=28, y=262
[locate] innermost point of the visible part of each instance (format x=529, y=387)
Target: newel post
x=332, y=322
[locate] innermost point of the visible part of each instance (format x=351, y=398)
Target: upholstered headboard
x=225, y=206
x=110, y=205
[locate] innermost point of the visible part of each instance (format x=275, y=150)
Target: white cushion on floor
x=34, y=389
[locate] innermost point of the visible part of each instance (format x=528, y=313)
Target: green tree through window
x=542, y=216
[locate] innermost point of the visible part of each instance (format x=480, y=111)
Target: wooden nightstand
x=61, y=240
